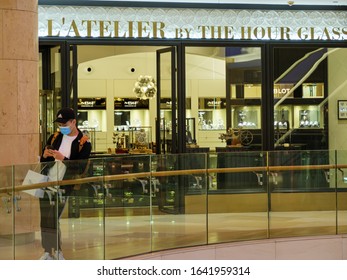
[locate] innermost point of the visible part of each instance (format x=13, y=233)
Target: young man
x=67, y=144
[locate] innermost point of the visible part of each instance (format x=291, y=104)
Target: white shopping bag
x=56, y=173
x=33, y=177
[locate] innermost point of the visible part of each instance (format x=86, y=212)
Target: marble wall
x=19, y=98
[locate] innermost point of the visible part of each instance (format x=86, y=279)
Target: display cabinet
x=92, y=113
x=212, y=113
x=212, y=119
x=313, y=90
x=307, y=116
x=246, y=117
x=283, y=117
x=298, y=116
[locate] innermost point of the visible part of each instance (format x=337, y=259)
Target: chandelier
x=145, y=87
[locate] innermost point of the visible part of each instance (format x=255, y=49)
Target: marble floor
x=114, y=237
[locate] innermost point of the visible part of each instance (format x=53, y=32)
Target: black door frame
x=172, y=51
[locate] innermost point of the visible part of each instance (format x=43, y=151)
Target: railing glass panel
x=302, y=197
x=6, y=214
x=119, y=206
x=341, y=184
x=83, y=220
x=179, y=218
x=127, y=200
x=237, y=197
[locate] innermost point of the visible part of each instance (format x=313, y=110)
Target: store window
x=117, y=95
x=300, y=98
x=225, y=88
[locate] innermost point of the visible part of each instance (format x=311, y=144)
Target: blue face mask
x=65, y=130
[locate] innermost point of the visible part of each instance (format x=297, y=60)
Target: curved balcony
x=132, y=205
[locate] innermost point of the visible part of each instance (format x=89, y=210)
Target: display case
x=212, y=113
x=283, y=117
x=121, y=120
x=212, y=119
x=300, y=127
x=307, y=116
x=298, y=116
x=92, y=113
x=313, y=90
x=246, y=117
x=130, y=112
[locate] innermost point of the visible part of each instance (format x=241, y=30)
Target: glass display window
x=92, y=119
x=92, y=113
x=212, y=119
x=121, y=120
x=212, y=113
x=130, y=112
x=283, y=117
x=307, y=117
x=246, y=117
x=313, y=90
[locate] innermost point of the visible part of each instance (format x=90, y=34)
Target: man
x=67, y=144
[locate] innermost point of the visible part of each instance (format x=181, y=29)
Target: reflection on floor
x=84, y=238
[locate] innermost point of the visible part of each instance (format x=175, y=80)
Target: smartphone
x=50, y=147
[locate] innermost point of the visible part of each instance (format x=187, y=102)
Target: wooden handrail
x=166, y=173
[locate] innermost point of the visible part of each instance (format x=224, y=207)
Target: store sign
x=281, y=91
x=212, y=103
x=179, y=23
x=92, y=103
x=166, y=103
x=131, y=103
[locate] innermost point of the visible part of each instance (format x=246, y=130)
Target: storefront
x=177, y=78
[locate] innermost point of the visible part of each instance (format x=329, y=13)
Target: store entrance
x=126, y=102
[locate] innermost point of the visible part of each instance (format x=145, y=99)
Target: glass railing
x=121, y=206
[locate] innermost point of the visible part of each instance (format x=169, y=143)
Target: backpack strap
x=82, y=141
x=55, y=135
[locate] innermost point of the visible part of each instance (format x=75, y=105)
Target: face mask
x=65, y=130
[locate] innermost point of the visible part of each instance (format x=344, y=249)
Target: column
x=19, y=96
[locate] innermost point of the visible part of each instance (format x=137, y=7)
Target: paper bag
x=56, y=173
x=33, y=177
